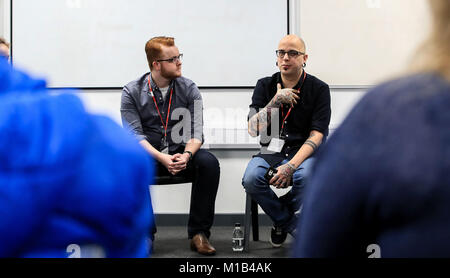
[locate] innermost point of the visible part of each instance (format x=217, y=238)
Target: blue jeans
x=280, y=210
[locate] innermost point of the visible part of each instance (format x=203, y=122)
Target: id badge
x=276, y=145
x=165, y=146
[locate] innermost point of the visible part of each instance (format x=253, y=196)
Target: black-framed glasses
x=291, y=53
x=174, y=59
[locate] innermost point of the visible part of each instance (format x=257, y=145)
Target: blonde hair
x=434, y=54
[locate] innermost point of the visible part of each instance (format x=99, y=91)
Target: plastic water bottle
x=238, y=238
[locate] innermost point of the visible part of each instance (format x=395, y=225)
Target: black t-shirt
x=312, y=112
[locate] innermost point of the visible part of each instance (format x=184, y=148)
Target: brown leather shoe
x=201, y=244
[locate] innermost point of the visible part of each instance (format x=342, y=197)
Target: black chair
x=163, y=180
x=251, y=215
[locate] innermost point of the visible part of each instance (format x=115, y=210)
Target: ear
x=156, y=66
x=305, y=57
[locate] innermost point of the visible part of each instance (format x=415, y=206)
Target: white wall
x=5, y=19
x=378, y=36
x=2, y=17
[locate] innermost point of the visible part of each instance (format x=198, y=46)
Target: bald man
x=291, y=112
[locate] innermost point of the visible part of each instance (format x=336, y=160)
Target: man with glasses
x=165, y=112
x=291, y=112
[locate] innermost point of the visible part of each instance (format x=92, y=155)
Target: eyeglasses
x=291, y=53
x=174, y=59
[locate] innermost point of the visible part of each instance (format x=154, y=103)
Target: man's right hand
x=168, y=161
x=284, y=96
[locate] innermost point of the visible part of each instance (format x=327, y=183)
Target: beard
x=170, y=74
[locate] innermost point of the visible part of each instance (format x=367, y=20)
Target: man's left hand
x=180, y=162
x=283, y=177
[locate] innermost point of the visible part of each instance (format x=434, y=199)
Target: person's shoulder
x=418, y=81
x=410, y=87
x=316, y=82
x=185, y=82
x=269, y=80
x=274, y=78
x=136, y=85
x=413, y=94
x=187, y=87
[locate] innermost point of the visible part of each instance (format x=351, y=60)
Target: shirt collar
x=299, y=83
x=155, y=87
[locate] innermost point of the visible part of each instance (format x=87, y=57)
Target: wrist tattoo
x=290, y=165
x=311, y=144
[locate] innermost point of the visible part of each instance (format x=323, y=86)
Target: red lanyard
x=289, y=112
x=156, y=105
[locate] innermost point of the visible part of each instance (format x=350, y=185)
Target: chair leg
x=255, y=224
x=247, y=219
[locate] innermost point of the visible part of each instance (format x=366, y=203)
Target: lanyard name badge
x=277, y=144
x=165, y=143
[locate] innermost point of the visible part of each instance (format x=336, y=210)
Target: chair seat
x=161, y=180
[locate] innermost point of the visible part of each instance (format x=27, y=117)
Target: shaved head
x=291, y=65
x=294, y=41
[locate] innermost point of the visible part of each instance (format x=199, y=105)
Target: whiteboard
x=100, y=43
x=362, y=42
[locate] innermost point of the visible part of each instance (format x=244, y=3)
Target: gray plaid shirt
x=140, y=115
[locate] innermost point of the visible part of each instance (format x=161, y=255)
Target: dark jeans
x=204, y=170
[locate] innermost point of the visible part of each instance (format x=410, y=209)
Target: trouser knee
x=253, y=182
x=206, y=161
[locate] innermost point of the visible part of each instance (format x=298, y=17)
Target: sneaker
x=277, y=237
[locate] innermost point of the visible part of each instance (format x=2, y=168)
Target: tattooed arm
x=283, y=177
x=308, y=148
x=261, y=120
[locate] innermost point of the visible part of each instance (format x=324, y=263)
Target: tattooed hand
x=283, y=177
x=284, y=96
x=261, y=120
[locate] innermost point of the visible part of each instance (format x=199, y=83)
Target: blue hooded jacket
x=67, y=177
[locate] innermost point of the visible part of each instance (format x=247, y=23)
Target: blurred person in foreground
x=382, y=182
x=71, y=184
x=4, y=48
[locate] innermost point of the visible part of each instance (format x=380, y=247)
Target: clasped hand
x=175, y=163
